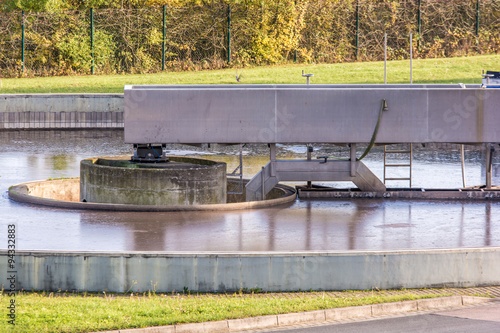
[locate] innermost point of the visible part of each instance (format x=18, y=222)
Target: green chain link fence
x=219, y=35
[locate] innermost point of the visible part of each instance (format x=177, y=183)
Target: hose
x=383, y=107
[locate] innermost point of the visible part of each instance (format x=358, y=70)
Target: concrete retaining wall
x=270, y=271
x=49, y=111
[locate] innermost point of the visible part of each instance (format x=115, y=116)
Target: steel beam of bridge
x=308, y=114
x=311, y=114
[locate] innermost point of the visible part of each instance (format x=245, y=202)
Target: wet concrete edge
x=20, y=193
x=405, y=194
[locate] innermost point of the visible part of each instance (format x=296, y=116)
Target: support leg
x=353, y=159
x=309, y=154
x=489, y=159
x=272, y=158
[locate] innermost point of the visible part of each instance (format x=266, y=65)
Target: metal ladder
x=398, y=165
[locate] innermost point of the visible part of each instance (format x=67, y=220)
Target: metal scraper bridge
x=314, y=114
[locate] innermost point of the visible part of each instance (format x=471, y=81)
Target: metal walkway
x=309, y=114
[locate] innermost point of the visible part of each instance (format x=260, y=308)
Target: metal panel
x=310, y=114
x=350, y=115
x=197, y=115
x=464, y=116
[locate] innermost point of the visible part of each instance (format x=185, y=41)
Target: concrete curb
x=274, y=321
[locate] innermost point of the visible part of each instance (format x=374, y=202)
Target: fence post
x=92, y=40
x=163, y=46
x=477, y=26
x=22, y=44
x=295, y=55
x=411, y=58
x=357, y=30
x=229, y=34
x=477, y=19
x=385, y=58
x=419, y=22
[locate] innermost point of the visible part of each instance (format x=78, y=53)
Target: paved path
x=484, y=317
x=461, y=312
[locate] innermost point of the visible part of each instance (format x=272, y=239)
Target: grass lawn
x=63, y=312
x=443, y=70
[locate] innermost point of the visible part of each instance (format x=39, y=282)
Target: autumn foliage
x=128, y=34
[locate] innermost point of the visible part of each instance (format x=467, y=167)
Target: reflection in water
x=61, y=162
x=487, y=237
x=462, y=221
x=308, y=225
x=363, y=224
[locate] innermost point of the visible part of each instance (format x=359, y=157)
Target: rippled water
x=303, y=225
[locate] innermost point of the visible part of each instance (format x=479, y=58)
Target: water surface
x=362, y=224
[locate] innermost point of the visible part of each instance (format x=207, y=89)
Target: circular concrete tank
x=182, y=181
